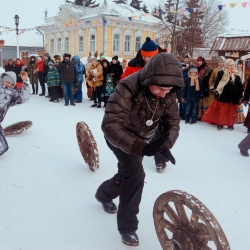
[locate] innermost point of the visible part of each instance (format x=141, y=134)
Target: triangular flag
x=220, y=7
x=244, y=4
x=183, y=11
x=233, y=4
x=130, y=18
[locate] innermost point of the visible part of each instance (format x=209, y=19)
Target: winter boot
x=94, y=105
x=99, y=105
x=248, y=130
x=161, y=167
x=219, y=127
x=230, y=128
x=130, y=239
x=108, y=207
x=244, y=153
x=192, y=122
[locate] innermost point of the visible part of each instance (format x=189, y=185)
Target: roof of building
x=231, y=43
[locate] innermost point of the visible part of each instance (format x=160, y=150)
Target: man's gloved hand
x=167, y=154
x=154, y=147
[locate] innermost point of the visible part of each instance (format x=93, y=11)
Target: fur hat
x=149, y=48
x=115, y=58
x=9, y=76
x=221, y=59
x=66, y=55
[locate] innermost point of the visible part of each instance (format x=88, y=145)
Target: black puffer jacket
x=124, y=122
x=232, y=92
x=67, y=72
x=116, y=70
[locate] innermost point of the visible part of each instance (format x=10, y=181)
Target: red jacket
x=40, y=66
x=130, y=70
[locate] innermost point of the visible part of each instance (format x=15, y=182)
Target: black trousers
x=41, y=81
x=97, y=94
x=128, y=185
x=34, y=88
x=54, y=92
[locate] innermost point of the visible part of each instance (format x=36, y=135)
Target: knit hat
x=183, y=64
x=94, y=59
x=46, y=54
x=102, y=57
x=193, y=70
x=50, y=64
x=115, y=58
x=221, y=59
x=9, y=76
x=124, y=60
x=149, y=48
x=57, y=57
x=39, y=59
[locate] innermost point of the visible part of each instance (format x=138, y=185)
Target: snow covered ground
x=47, y=191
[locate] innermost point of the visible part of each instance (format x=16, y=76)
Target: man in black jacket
x=68, y=75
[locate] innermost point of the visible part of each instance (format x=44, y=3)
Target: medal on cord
x=150, y=121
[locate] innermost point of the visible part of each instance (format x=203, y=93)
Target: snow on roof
x=234, y=35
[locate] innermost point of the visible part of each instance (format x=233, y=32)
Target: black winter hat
x=66, y=55
x=115, y=58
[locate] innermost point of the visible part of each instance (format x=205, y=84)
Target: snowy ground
x=47, y=191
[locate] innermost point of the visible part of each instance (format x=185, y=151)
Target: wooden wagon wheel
x=17, y=128
x=87, y=145
x=182, y=222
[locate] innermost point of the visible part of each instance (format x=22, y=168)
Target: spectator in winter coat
x=204, y=73
x=33, y=74
x=188, y=62
x=10, y=66
x=95, y=81
x=212, y=79
x=47, y=59
x=228, y=94
x=10, y=96
x=59, y=88
x=40, y=63
x=148, y=49
x=130, y=124
x=53, y=81
x=116, y=69
x=89, y=90
x=191, y=93
x=80, y=69
x=18, y=68
x=106, y=70
x=69, y=77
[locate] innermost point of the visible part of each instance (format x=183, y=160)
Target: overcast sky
x=31, y=14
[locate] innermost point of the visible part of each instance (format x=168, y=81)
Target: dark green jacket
x=53, y=77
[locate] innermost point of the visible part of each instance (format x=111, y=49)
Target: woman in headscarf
x=228, y=94
x=204, y=73
x=240, y=117
x=33, y=74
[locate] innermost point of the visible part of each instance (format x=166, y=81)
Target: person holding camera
x=132, y=116
x=69, y=77
x=95, y=81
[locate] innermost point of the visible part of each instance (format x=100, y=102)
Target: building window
x=66, y=47
x=80, y=44
x=59, y=45
x=92, y=43
x=137, y=43
x=127, y=45
x=52, y=46
x=116, y=42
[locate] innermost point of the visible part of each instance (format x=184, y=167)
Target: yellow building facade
x=115, y=29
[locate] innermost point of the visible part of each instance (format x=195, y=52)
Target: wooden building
x=110, y=29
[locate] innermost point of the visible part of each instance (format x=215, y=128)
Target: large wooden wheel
x=17, y=128
x=182, y=222
x=87, y=145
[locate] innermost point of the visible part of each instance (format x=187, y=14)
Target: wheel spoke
x=193, y=222
x=168, y=225
x=182, y=214
x=171, y=214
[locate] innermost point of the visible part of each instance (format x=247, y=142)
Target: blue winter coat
x=189, y=92
x=80, y=68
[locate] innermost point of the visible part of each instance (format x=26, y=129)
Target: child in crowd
x=11, y=96
x=191, y=93
x=53, y=81
x=108, y=87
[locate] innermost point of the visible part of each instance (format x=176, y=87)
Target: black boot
x=161, y=167
x=244, y=153
x=248, y=130
x=130, y=239
x=94, y=105
x=108, y=207
x=99, y=105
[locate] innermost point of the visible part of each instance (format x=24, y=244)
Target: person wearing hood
x=69, y=77
x=148, y=49
x=116, y=69
x=204, y=73
x=10, y=96
x=95, y=81
x=47, y=59
x=53, y=81
x=80, y=69
x=228, y=94
x=33, y=74
x=129, y=125
x=220, y=61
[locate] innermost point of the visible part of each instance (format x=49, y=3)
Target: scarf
x=224, y=80
x=195, y=82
